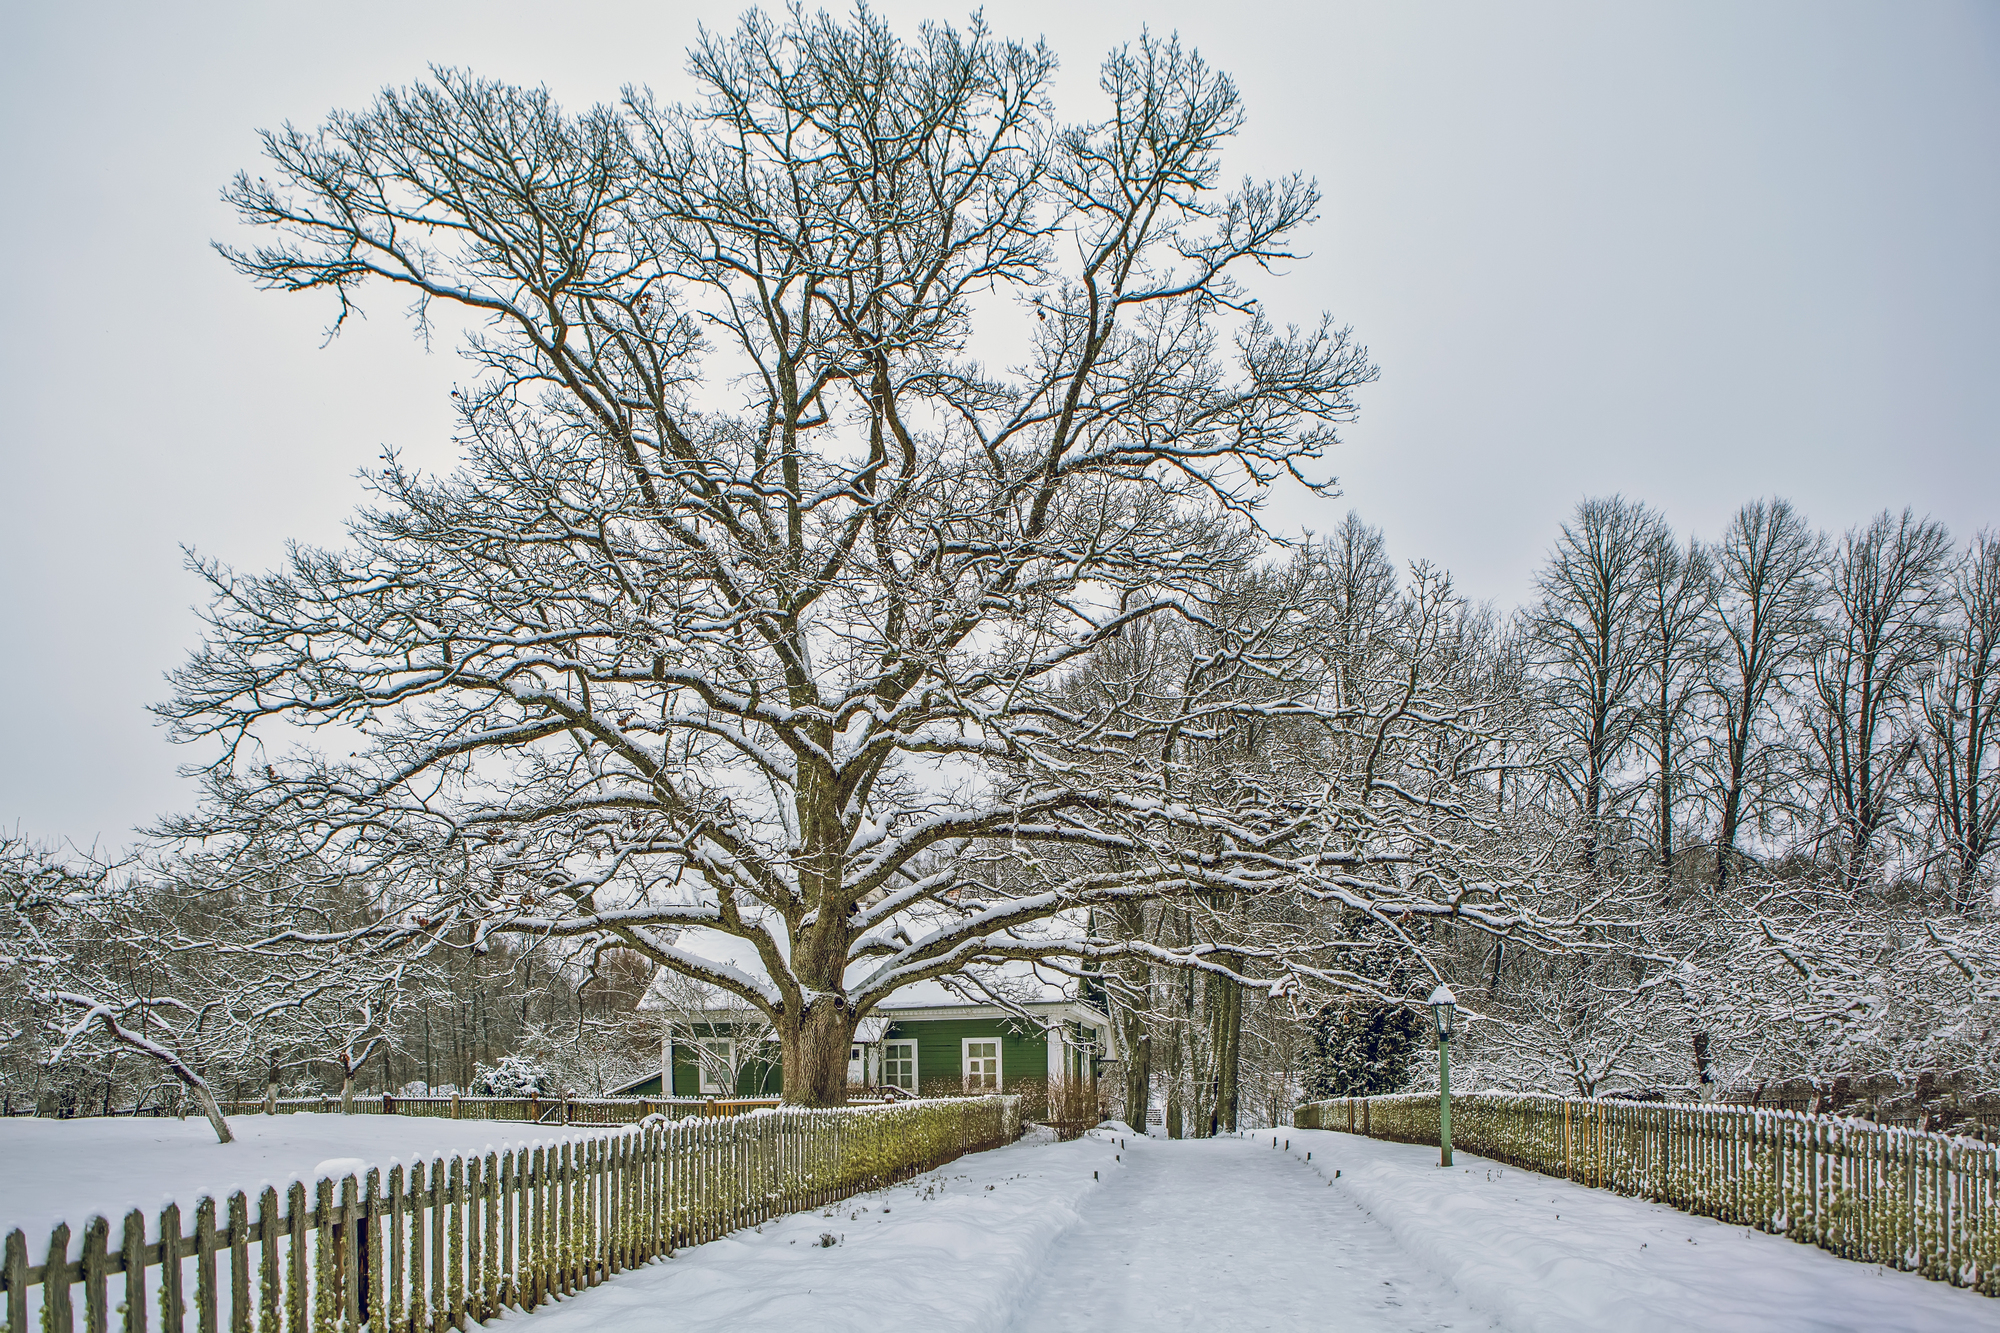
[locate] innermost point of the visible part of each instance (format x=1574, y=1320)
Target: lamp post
x=1444, y=1008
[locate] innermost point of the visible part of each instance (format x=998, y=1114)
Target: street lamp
x=1444, y=1008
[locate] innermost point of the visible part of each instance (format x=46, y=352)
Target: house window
x=718, y=1067
x=899, y=1064
x=982, y=1064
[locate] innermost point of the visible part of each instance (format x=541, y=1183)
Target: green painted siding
x=1024, y=1058
x=754, y=1079
x=940, y=1052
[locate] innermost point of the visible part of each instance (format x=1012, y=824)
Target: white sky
x=1689, y=252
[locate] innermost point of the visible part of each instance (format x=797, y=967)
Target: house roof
x=1015, y=982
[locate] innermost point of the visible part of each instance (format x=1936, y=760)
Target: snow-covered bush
x=514, y=1075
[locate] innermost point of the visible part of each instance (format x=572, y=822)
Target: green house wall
x=755, y=1079
x=1024, y=1058
x=941, y=1054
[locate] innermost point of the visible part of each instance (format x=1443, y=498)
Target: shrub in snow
x=514, y=1076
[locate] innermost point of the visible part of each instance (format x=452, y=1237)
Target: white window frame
x=910, y=1042
x=965, y=1062
x=701, y=1069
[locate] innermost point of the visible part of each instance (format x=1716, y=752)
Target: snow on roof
x=1016, y=981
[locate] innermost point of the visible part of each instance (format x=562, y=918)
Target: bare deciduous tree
x=1767, y=599
x=749, y=609
x=1589, y=634
x=84, y=976
x=1961, y=714
x=1676, y=594
x=1885, y=594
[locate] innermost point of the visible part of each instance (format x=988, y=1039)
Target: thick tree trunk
x=347, y=1092
x=1130, y=1015
x=1226, y=999
x=1703, y=1079
x=814, y=1048
x=1138, y=1072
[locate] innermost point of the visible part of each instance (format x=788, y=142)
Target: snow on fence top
x=466, y=1237
x=1905, y=1198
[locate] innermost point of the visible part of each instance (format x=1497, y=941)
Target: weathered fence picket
x=458, y=1241
x=1923, y=1202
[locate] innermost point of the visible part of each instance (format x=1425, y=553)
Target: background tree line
x=1701, y=815
x=176, y=955
x=1760, y=770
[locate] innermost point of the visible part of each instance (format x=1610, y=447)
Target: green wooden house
x=941, y=1048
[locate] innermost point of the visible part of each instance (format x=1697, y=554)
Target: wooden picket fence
x=1922, y=1202
x=464, y=1238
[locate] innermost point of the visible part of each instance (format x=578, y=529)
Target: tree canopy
x=761, y=606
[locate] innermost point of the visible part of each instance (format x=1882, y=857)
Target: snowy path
x=1230, y=1234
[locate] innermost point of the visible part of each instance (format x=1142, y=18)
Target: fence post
x=297, y=1304
x=269, y=1293
x=206, y=1302
x=348, y=1250
x=239, y=1263
x=437, y=1199
x=96, y=1265
x=134, y=1259
x=506, y=1289
x=173, y=1306
x=413, y=1205
x=57, y=1313
x=489, y=1268
x=372, y=1286
x=17, y=1281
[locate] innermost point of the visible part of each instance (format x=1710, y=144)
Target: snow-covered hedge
x=1928, y=1203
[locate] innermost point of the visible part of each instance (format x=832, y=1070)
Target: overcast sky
x=1693, y=253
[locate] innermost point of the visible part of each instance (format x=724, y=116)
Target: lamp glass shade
x=1444, y=1009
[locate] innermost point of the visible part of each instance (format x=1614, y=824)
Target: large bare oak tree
x=751, y=608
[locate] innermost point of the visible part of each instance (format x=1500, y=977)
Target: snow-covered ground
x=1109, y=1233
x=71, y=1170
x=1544, y=1254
